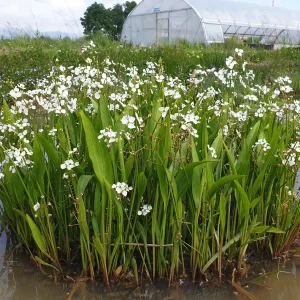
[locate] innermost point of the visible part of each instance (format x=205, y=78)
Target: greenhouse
x=154, y=22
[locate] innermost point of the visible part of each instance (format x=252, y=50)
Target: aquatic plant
x=148, y=172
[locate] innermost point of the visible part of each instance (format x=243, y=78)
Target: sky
x=64, y=15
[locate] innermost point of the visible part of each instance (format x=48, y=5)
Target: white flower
x=69, y=164
x=97, y=95
x=88, y=61
x=12, y=169
x=239, y=52
x=52, y=132
x=290, y=160
x=286, y=89
x=164, y=111
x=191, y=118
x=15, y=93
x=296, y=146
x=145, y=209
x=129, y=121
x=36, y=206
x=121, y=188
x=189, y=127
x=263, y=143
x=275, y=93
x=230, y=63
x=213, y=152
x=251, y=98
x=159, y=78
x=90, y=109
x=108, y=135
x=73, y=151
x=225, y=130
x=65, y=176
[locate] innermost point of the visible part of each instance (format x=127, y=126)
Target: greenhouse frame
x=155, y=22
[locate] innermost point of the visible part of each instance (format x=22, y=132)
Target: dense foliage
x=107, y=20
x=147, y=171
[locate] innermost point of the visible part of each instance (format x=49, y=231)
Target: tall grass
x=148, y=172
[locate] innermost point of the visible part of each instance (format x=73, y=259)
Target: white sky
x=63, y=15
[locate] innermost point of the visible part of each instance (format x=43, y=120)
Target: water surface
x=21, y=280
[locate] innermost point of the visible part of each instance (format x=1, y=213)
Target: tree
x=96, y=18
x=128, y=7
x=118, y=19
x=110, y=20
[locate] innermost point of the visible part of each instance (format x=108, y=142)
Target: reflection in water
x=20, y=280
x=7, y=290
x=285, y=286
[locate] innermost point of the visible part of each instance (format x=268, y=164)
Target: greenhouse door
x=162, y=29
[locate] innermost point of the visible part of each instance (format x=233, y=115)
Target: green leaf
x=267, y=162
x=223, y=210
x=98, y=152
x=50, y=150
x=220, y=182
x=218, y=142
x=163, y=184
x=252, y=136
x=244, y=159
x=224, y=248
x=141, y=185
x=184, y=177
x=129, y=165
x=42, y=262
x=95, y=226
x=135, y=270
x=245, y=199
x=95, y=105
x=255, y=202
x=104, y=112
x=8, y=116
x=37, y=236
x=84, y=229
x=72, y=128
x=82, y=184
x=264, y=229
x=230, y=159
x=39, y=166
x=99, y=247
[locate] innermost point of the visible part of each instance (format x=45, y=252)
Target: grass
x=166, y=169
x=28, y=59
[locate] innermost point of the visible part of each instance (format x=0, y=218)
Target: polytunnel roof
x=227, y=12
x=245, y=13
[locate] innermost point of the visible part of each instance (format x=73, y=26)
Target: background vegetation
x=26, y=59
x=109, y=21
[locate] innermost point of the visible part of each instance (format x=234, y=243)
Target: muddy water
x=20, y=280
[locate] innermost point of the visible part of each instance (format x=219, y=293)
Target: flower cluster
x=145, y=209
x=69, y=164
x=19, y=157
x=164, y=111
x=291, y=154
x=121, y=188
x=262, y=144
x=108, y=135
